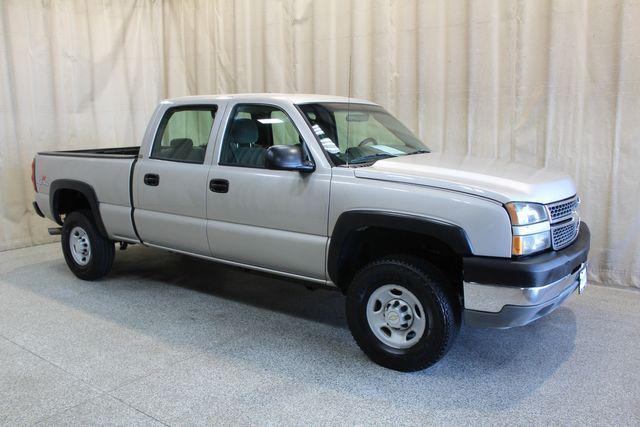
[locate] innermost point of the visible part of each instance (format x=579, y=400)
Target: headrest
x=181, y=148
x=182, y=143
x=244, y=131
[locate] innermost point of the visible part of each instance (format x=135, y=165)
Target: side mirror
x=288, y=158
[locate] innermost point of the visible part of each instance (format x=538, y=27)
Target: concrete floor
x=166, y=339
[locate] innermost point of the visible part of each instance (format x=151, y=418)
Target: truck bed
x=107, y=174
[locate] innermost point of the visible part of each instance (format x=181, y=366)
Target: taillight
x=33, y=175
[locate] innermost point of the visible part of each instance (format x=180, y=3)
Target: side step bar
x=55, y=231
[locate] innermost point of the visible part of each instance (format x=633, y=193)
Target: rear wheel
x=400, y=314
x=88, y=254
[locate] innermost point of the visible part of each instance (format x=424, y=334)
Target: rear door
x=171, y=179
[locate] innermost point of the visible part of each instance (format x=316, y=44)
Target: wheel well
x=366, y=244
x=68, y=196
x=68, y=200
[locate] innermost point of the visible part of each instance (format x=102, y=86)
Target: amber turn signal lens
x=517, y=245
x=530, y=243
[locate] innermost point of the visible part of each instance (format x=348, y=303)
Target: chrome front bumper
x=495, y=306
x=508, y=292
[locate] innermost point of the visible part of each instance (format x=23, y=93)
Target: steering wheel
x=368, y=141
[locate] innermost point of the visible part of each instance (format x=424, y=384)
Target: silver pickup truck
x=336, y=192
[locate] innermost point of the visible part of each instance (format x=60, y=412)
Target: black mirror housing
x=288, y=158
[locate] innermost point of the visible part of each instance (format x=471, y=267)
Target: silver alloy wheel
x=396, y=316
x=80, y=246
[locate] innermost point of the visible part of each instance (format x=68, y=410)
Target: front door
x=171, y=180
x=272, y=219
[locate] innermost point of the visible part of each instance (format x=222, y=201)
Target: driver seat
x=242, y=149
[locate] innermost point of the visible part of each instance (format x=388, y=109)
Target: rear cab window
x=183, y=134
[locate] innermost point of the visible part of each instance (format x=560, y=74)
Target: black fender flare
x=81, y=187
x=357, y=220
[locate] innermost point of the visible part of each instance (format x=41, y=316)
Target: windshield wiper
x=371, y=157
x=419, y=152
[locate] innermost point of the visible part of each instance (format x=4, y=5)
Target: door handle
x=152, y=179
x=219, y=185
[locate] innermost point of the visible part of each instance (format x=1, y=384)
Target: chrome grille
x=565, y=222
x=563, y=209
x=562, y=235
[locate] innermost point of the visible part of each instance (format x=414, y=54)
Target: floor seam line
x=148, y=374
x=62, y=411
x=137, y=409
x=55, y=365
x=101, y=392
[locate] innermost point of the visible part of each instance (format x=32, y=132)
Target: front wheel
x=400, y=314
x=88, y=254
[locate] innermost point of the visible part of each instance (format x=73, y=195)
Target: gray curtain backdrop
x=555, y=84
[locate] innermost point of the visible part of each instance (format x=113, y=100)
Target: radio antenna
x=349, y=103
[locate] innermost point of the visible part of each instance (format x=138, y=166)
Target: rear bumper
x=507, y=292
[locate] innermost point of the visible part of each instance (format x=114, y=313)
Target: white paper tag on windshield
x=329, y=145
x=388, y=150
x=318, y=130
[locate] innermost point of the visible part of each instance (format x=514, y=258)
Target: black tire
x=100, y=260
x=432, y=289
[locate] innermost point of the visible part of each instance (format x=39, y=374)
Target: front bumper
x=503, y=293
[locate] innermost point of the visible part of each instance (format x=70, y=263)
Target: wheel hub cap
x=395, y=316
x=80, y=246
x=398, y=314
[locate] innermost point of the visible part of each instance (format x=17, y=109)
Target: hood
x=491, y=178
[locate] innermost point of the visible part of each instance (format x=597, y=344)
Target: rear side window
x=184, y=134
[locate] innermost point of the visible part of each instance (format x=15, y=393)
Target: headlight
x=530, y=226
x=526, y=213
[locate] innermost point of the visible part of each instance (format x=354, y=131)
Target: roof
x=294, y=98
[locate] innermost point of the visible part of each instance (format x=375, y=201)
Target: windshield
x=360, y=133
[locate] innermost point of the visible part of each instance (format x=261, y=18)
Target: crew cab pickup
x=333, y=191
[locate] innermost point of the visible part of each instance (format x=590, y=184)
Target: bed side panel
x=109, y=178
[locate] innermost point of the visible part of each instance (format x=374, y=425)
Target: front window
x=360, y=133
x=252, y=129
